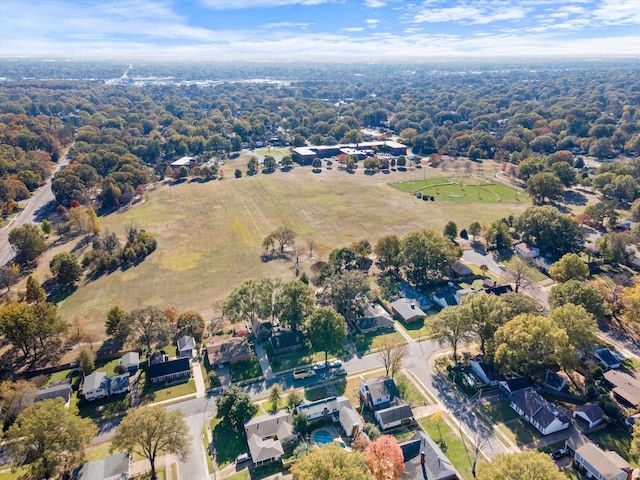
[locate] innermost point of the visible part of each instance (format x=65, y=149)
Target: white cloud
x=242, y=4
x=469, y=14
x=372, y=21
x=286, y=25
x=352, y=29
x=374, y=3
x=617, y=12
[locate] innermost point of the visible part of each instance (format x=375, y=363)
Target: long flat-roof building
x=306, y=155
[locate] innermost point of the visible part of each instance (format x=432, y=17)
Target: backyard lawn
x=192, y=272
x=499, y=412
x=228, y=444
x=455, y=451
x=617, y=440
x=519, y=431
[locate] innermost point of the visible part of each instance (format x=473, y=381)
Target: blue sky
x=320, y=29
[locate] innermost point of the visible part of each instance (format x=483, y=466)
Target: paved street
x=33, y=208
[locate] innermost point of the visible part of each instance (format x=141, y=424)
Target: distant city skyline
x=318, y=29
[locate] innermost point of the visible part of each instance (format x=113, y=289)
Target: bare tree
x=310, y=244
x=519, y=273
x=391, y=354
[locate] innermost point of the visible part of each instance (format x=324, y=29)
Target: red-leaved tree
x=384, y=458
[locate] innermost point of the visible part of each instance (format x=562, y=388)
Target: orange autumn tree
x=384, y=458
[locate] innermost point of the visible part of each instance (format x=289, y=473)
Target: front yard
x=454, y=449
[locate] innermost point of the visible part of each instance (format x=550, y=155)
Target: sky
x=318, y=29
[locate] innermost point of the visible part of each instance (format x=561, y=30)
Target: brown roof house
x=222, y=350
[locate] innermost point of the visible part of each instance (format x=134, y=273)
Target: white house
x=538, y=412
x=323, y=408
x=590, y=413
x=486, y=373
x=95, y=386
x=527, y=251
x=607, y=359
x=186, y=346
x=378, y=393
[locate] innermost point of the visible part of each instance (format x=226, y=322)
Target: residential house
x=606, y=357
x=163, y=369
x=394, y=416
x=350, y=421
x=241, y=330
x=268, y=434
x=186, y=346
x=95, y=386
x=538, y=412
x=513, y=384
x=408, y=310
x=487, y=374
x=626, y=389
x=459, y=269
x=286, y=341
x=463, y=292
x=378, y=393
x=590, y=414
x=261, y=329
x=407, y=291
x=374, y=319
x=323, y=408
x=594, y=462
x=544, y=263
x=498, y=290
x=553, y=381
x=446, y=297
x=130, y=361
x=182, y=162
x=59, y=390
x=527, y=251
x=112, y=467
x=424, y=459
x=222, y=350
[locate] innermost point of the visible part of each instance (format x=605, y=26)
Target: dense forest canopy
x=126, y=117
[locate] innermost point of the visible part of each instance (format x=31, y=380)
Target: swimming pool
x=322, y=436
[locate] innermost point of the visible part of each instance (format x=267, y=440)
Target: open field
x=210, y=234
x=462, y=189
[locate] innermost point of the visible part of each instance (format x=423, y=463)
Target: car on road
x=558, y=454
x=502, y=266
x=335, y=364
x=320, y=366
x=340, y=372
x=301, y=373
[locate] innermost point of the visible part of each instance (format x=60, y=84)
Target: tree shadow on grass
x=575, y=198
x=228, y=443
x=57, y=293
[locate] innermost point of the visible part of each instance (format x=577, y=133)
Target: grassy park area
x=210, y=234
x=462, y=189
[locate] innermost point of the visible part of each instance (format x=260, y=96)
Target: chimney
x=422, y=457
x=495, y=283
x=413, y=306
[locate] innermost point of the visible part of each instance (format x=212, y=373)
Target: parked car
x=335, y=364
x=303, y=373
x=340, y=372
x=502, y=266
x=320, y=366
x=243, y=457
x=563, y=452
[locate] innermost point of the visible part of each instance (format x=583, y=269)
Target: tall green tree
x=528, y=343
x=451, y=326
x=87, y=361
x=151, y=431
x=28, y=242
x=49, y=438
x=326, y=330
x=190, y=323
x=118, y=324
x=251, y=300
x=18, y=326
x=348, y=291
x=527, y=465
x=149, y=327
x=578, y=293
x=331, y=462
x=65, y=267
x=569, y=267
x=475, y=229
x=498, y=235
x=579, y=324
x=427, y=256
x=294, y=303
x=544, y=186
x=389, y=250
x=235, y=408
x=34, y=293
x=450, y=230
x=485, y=313
x=549, y=230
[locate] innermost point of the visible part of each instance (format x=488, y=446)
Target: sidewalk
x=265, y=365
x=201, y=389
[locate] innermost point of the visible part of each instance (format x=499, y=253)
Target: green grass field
x=456, y=451
x=462, y=189
x=210, y=234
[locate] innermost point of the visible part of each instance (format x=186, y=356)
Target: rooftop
x=408, y=308
x=223, y=350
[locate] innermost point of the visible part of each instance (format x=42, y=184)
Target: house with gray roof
x=607, y=359
x=112, y=467
x=378, y=393
x=394, y=416
x=594, y=462
x=62, y=390
x=95, y=386
x=446, y=297
x=350, y=421
x=186, y=346
x=423, y=459
x=408, y=310
x=374, y=318
x=626, y=388
x=268, y=434
x=130, y=361
x=590, y=414
x=538, y=412
x=553, y=381
x=485, y=372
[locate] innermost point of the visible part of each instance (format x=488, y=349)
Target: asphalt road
x=34, y=207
